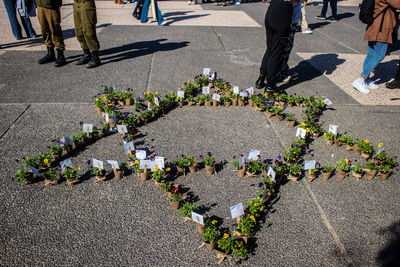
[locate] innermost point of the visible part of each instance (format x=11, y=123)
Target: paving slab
x=11, y=113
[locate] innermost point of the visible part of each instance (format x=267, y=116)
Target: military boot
x=395, y=84
x=260, y=83
x=50, y=57
x=60, y=61
x=85, y=59
x=94, y=61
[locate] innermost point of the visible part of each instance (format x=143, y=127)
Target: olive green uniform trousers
x=85, y=20
x=49, y=20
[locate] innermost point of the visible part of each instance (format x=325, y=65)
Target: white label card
x=379, y=150
x=87, y=127
x=301, y=133
x=253, y=154
x=66, y=163
x=146, y=162
x=271, y=173
x=98, y=164
x=128, y=147
x=156, y=102
x=236, y=90
x=159, y=161
x=113, y=88
x=205, y=90
x=309, y=164
x=114, y=164
x=243, y=94
x=206, y=71
x=122, y=128
x=216, y=97
x=107, y=117
x=333, y=129
x=327, y=102
x=181, y=94
x=59, y=142
x=198, y=218
x=237, y=210
x=250, y=90
x=35, y=171
x=141, y=154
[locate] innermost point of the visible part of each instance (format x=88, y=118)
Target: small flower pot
x=191, y=103
x=292, y=123
x=228, y=93
x=175, y=205
x=210, y=170
x=180, y=170
x=384, y=176
x=49, y=182
x=121, y=102
x=72, y=181
x=242, y=172
x=193, y=168
x=228, y=103
x=370, y=174
x=181, y=103
x=256, y=108
x=251, y=103
x=220, y=255
x=240, y=103
x=215, y=103
x=144, y=176
x=158, y=184
x=326, y=175
x=293, y=177
x=199, y=104
x=310, y=177
x=365, y=155
x=337, y=143
x=118, y=174
x=357, y=175
x=129, y=102
x=316, y=135
x=340, y=174
x=329, y=142
x=210, y=246
x=357, y=150
x=278, y=117
x=234, y=101
x=207, y=103
x=349, y=147
x=269, y=113
x=201, y=228
x=290, y=105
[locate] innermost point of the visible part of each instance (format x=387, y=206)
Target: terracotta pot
x=384, y=176
x=292, y=123
x=175, y=205
x=210, y=246
x=241, y=173
x=357, y=175
x=329, y=142
x=129, y=102
x=199, y=104
x=240, y=103
x=325, y=175
x=118, y=174
x=50, y=182
x=349, y=147
x=278, y=117
x=211, y=85
x=316, y=135
x=370, y=174
x=193, y=168
x=215, y=103
x=357, y=150
x=365, y=155
x=234, y=101
x=256, y=108
x=310, y=177
x=158, y=184
x=340, y=174
x=121, y=102
x=201, y=228
x=228, y=104
x=269, y=114
x=207, y=103
x=293, y=177
x=72, y=181
x=191, y=103
x=181, y=103
x=100, y=178
x=251, y=103
x=290, y=105
x=180, y=170
x=144, y=175
x=220, y=255
x=210, y=170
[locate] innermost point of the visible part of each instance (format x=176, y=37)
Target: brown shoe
x=121, y=3
x=115, y=1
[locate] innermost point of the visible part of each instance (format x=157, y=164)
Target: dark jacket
x=374, y=32
x=50, y=4
x=279, y=16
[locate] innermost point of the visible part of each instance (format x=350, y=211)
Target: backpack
x=366, y=11
x=137, y=12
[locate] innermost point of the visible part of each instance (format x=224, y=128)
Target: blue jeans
x=145, y=12
x=12, y=16
x=376, y=53
x=333, y=8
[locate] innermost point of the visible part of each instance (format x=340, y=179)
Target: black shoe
x=320, y=17
x=60, y=61
x=50, y=57
x=332, y=19
x=94, y=61
x=270, y=89
x=395, y=84
x=85, y=59
x=260, y=83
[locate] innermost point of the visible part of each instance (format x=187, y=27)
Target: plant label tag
x=327, y=102
x=380, y=150
x=237, y=210
x=114, y=164
x=98, y=164
x=87, y=128
x=309, y=164
x=198, y=218
x=35, y=171
x=264, y=195
x=156, y=102
x=69, y=140
x=212, y=76
x=66, y=163
x=243, y=94
x=216, y=97
x=301, y=133
x=271, y=173
x=122, y=128
x=206, y=71
x=181, y=94
x=128, y=147
x=160, y=162
x=59, y=142
x=107, y=117
x=205, y=90
x=250, y=90
x=236, y=90
x=141, y=154
x=113, y=88
x=333, y=129
x=253, y=154
x=113, y=130
x=146, y=162
x=241, y=161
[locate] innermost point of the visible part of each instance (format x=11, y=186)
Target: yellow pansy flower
x=156, y=93
x=182, y=86
x=308, y=130
x=265, y=94
x=262, y=208
x=226, y=235
x=380, y=144
x=46, y=161
x=214, y=222
x=97, y=99
x=168, y=169
x=104, y=98
x=235, y=234
x=255, y=204
x=136, y=162
x=79, y=167
x=347, y=161
x=156, y=168
x=366, y=141
x=303, y=123
x=252, y=218
x=188, y=81
x=324, y=134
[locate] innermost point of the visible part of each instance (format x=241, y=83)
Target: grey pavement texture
x=128, y=222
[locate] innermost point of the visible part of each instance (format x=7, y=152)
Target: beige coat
x=373, y=33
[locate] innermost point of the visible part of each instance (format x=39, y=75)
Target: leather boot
x=94, y=61
x=85, y=59
x=270, y=88
x=260, y=83
x=50, y=57
x=60, y=61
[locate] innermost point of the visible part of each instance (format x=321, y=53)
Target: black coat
x=279, y=16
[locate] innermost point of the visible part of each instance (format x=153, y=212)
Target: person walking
x=303, y=20
x=333, y=4
x=379, y=36
x=85, y=19
x=49, y=16
x=145, y=12
x=277, y=24
x=11, y=8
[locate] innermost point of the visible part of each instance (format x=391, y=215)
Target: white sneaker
x=190, y=2
x=371, y=85
x=163, y=23
x=360, y=86
x=308, y=31
x=237, y=3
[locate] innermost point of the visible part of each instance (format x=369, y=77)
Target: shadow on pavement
x=178, y=16
x=384, y=72
x=390, y=255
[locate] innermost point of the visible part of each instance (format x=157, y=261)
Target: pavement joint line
x=328, y=225
x=150, y=71
x=23, y=112
x=358, y=52
x=219, y=38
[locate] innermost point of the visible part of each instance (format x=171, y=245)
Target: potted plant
x=50, y=177
x=226, y=101
x=357, y=171
x=312, y=174
x=210, y=236
x=207, y=100
x=340, y=139
x=241, y=169
x=252, y=99
x=342, y=167
x=270, y=111
x=278, y=113
x=381, y=158
x=181, y=164
x=358, y=145
x=241, y=101
x=290, y=101
x=326, y=171
x=99, y=173
x=192, y=163
x=291, y=120
x=384, y=171
x=349, y=143
x=128, y=97
x=239, y=250
x=199, y=100
x=186, y=210
x=176, y=198
x=370, y=170
x=367, y=149
x=70, y=175
x=329, y=138
x=252, y=168
x=224, y=244
x=234, y=99
x=158, y=176
x=27, y=177
x=56, y=151
x=294, y=172
x=315, y=129
x=209, y=162
x=246, y=227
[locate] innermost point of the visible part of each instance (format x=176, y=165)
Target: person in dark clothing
x=395, y=84
x=277, y=24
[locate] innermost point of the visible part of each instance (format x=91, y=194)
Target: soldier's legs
x=85, y=20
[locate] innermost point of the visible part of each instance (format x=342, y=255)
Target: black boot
x=395, y=84
x=85, y=59
x=94, y=61
x=260, y=83
x=60, y=61
x=50, y=57
x=270, y=88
